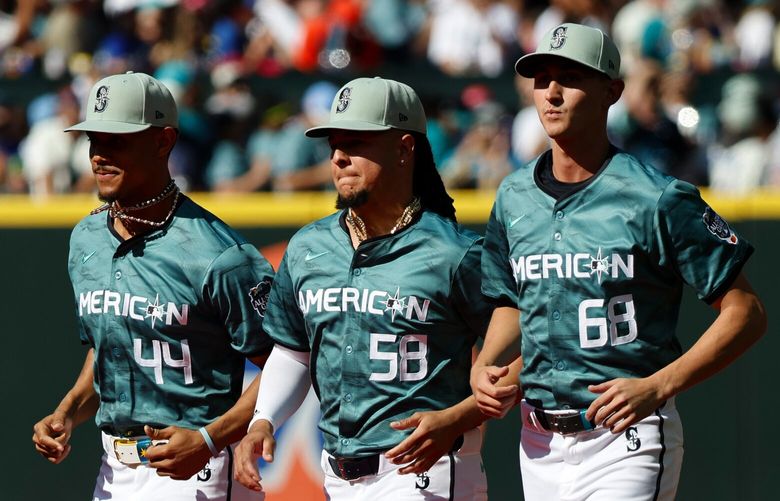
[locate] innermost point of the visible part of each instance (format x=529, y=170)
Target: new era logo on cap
x=128, y=103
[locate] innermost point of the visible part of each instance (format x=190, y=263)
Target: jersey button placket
x=556, y=287
x=349, y=364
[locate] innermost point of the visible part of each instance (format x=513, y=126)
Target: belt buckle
x=565, y=425
x=571, y=423
x=353, y=469
x=132, y=452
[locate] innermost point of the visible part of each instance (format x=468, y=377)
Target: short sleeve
x=284, y=320
x=237, y=285
x=699, y=244
x=472, y=306
x=498, y=284
x=84, y=336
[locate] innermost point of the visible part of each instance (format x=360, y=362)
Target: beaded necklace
x=359, y=226
x=121, y=212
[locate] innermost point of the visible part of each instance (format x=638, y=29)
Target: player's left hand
x=185, y=454
x=623, y=402
x=433, y=436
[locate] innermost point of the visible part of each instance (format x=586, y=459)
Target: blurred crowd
x=701, y=102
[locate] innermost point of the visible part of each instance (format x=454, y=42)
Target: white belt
x=130, y=451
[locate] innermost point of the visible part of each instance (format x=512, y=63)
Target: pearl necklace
x=359, y=226
x=121, y=212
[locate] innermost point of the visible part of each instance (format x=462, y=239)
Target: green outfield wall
x=730, y=420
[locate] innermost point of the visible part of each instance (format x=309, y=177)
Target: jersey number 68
x=609, y=328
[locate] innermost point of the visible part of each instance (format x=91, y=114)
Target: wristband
x=209, y=442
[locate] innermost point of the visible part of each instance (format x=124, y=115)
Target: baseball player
x=170, y=301
x=586, y=252
x=378, y=306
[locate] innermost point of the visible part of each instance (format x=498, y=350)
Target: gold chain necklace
x=359, y=226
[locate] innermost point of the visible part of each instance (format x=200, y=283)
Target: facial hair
x=109, y=199
x=352, y=201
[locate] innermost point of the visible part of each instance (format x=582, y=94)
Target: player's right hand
x=492, y=400
x=51, y=436
x=259, y=441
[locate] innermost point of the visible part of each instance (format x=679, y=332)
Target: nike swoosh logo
x=310, y=256
x=515, y=220
x=86, y=258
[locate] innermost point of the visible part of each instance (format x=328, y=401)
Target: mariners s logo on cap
x=558, y=37
x=344, y=99
x=101, y=99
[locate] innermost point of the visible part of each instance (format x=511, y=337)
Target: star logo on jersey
x=395, y=303
x=422, y=481
x=155, y=310
x=632, y=440
x=599, y=265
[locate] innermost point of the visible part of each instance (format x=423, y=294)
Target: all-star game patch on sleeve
x=704, y=249
x=284, y=320
x=472, y=306
x=498, y=281
x=237, y=285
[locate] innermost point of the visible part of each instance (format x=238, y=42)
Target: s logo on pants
x=632, y=440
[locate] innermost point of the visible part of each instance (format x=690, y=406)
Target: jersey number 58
x=412, y=347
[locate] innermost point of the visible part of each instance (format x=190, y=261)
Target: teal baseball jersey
x=390, y=326
x=598, y=275
x=172, y=316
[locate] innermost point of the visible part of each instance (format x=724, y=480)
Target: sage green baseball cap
x=127, y=103
x=374, y=104
x=575, y=42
